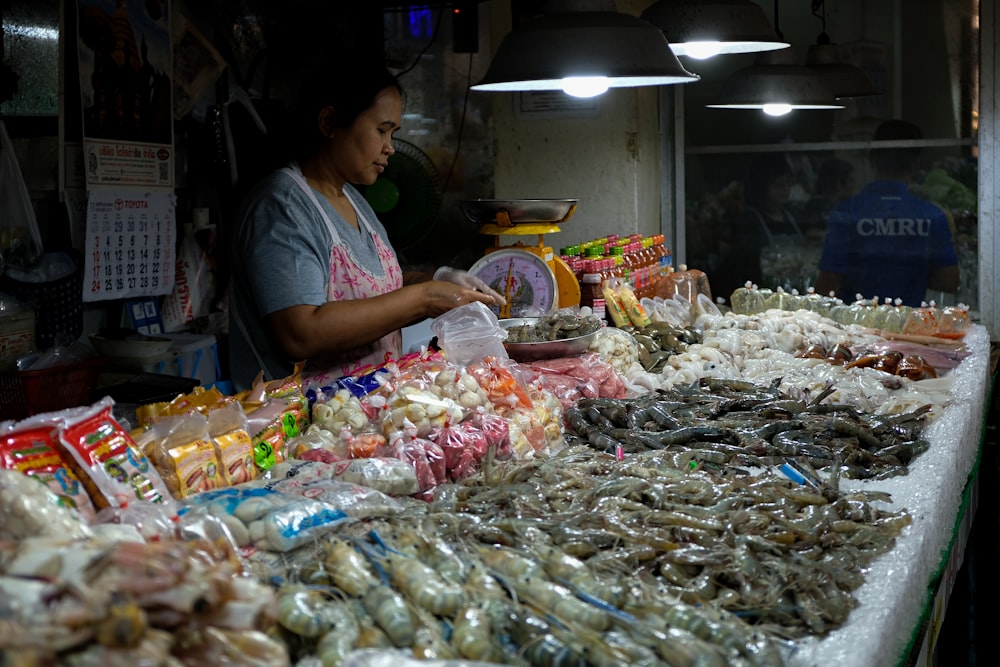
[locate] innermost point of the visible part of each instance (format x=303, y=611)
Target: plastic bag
x=31, y=509
x=469, y=333
x=32, y=451
x=194, y=285
x=267, y=519
x=20, y=239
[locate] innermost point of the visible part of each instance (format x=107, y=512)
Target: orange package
x=503, y=389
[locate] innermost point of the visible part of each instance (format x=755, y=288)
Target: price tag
x=130, y=243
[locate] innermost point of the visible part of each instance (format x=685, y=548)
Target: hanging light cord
x=819, y=11
x=777, y=28
x=434, y=35
x=461, y=126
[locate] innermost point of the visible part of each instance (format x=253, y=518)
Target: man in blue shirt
x=886, y=241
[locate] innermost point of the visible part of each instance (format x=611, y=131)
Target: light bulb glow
x=777, y=109
x=585, y=86
x=702, y=50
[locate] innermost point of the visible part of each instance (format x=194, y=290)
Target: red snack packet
x=33, y=451
x=107, y=461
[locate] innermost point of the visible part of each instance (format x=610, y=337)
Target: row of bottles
x=610, y=266
x=890, y=315
x=641, y=262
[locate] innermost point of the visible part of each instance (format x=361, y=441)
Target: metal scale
x=533, y=279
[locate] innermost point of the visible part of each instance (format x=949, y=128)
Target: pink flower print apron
x=349, y=280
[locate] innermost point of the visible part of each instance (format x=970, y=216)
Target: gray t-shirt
x=281, y=258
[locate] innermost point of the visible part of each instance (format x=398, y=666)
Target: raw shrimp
x=390, y=612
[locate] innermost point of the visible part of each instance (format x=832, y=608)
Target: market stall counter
x=710, y=490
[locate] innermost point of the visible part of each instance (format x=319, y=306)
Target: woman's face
x=361, y=151
x=780, y=189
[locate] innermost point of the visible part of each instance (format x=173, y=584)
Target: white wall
x=610, y=162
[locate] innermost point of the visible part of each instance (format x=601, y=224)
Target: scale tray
x=484, y=211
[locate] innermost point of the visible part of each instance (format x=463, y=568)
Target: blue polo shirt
x=885, y=242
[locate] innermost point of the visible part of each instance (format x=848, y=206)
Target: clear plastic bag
x=20, y=239
x=469, y=333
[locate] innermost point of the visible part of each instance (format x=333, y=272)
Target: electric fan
x=407, y=195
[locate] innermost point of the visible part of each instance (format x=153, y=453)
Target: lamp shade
x=553, y=51
x=845, y=80
x=775, y=83
x=704, y=28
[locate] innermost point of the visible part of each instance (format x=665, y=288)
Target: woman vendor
x=314, y=276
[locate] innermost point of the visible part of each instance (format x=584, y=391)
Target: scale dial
x=524, y=278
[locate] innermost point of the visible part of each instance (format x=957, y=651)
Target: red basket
x=26, y=393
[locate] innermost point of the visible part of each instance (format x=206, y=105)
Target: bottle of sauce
x=591, y=293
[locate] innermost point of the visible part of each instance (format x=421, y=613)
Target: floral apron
x=349, y=280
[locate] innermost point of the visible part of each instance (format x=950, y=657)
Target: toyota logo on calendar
x=129, y=244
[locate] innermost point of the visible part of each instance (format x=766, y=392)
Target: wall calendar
x=130, y=244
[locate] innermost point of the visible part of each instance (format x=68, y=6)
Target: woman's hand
x=466, y=279
x=441, y=296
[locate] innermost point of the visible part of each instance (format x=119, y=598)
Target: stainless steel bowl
x=550, y=349
x=482, y=211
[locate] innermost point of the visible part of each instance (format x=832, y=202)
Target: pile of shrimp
x=722, y=421
x=582, y=559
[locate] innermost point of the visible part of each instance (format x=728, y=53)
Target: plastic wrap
x=463, y=444
x=389, y=475
x=504, y=390
x=267, y=519
x=469, y=333
x=230, y=431
x=272, y=424
x=182, y=450
x=30, y=509
x=32, y=450
x=107, y=461
x=425, y=457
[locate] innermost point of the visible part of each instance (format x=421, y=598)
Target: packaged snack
x=32, y=450
x=230, y=431
x=107, y=460
x=273, y=424
x=185, y=455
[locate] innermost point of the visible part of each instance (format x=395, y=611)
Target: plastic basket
x=58, y=305
x=26, y=393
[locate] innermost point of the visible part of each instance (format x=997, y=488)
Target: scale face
x=524, y=278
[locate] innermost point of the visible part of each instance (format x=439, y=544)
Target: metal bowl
x=482, y=211
x=550, y=349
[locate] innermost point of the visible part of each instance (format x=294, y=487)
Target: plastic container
x=17, y=331
x=55, y=289
x=197, y=356
x=26, y=393
x=161, y=364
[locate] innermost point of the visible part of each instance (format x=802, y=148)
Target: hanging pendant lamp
x=844, y=79
x=583, y=53
x=704, y=28
x=776, y=85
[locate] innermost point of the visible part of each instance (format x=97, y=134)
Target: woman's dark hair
x=764, y=170
x=349, y=90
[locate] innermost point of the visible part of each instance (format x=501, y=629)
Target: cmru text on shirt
x=894, y=227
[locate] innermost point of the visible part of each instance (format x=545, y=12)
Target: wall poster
x=125, y=84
